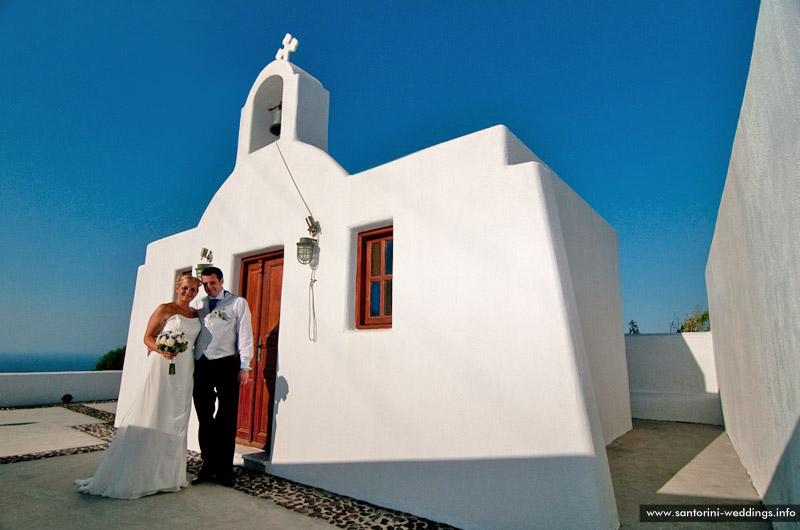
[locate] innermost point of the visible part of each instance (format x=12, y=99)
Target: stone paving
x=661, y=462
x=655, y=463
x=337, y=510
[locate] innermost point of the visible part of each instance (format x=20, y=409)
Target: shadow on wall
x=281, y=394
x=784, y=488
x=488, y=494
x=672, y=377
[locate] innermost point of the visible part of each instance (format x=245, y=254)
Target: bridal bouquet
x=172, y=342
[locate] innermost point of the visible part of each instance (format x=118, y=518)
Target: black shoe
x=202, y=476
x=224, y=480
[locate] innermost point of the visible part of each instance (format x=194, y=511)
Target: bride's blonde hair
x=187, y=278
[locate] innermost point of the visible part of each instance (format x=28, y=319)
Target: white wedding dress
x=148, y=452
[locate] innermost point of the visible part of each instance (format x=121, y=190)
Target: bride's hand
x=168, y=356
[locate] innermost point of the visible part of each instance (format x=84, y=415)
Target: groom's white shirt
x=225, y=330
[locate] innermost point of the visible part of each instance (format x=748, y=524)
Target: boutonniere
x=221, y=315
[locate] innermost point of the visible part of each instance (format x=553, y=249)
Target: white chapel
x=481, y=388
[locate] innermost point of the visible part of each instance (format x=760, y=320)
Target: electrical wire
x=293, y=181
x=312, y=309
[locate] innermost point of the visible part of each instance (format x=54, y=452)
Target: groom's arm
x=244, y=339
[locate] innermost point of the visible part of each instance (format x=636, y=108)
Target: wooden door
x=262, y=277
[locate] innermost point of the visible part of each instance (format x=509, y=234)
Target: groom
x=218, y=374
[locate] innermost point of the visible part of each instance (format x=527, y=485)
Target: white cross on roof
x=289, y=45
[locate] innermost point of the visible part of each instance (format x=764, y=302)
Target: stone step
x=256, y=461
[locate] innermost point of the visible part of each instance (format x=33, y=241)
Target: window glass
x=375, y=299
x=375, y=254
x=389, y=248
x=387, y=298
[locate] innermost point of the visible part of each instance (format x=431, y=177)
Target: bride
x=148, y=452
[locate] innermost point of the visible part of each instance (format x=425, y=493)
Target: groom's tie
x=212, y=304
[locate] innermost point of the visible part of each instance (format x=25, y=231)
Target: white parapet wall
x=42, y=388
x=672, y=377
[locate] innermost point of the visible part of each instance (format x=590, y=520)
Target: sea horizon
x=48, y=362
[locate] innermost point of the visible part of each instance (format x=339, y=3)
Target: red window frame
x=373, y=270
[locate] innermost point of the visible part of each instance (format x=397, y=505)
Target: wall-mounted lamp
x=208, y=256
x=305, y=247
x=305, y=250
x=312, y=225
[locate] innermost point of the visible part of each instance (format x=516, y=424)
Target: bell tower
x=284, y=103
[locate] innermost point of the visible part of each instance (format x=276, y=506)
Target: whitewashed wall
x=592, y=254
x=483, y=378
x=672, y=377
x=752, y=272
x=478, y=407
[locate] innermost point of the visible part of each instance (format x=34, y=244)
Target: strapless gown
x=148, y=452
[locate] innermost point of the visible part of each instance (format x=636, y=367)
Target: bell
x=275, y=128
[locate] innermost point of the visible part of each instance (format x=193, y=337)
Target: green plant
x=112, y=360
x=698, y=320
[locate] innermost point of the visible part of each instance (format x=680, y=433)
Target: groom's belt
x=217, y=358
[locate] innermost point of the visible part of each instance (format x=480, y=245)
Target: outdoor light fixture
x=312, y=225
x=208, y=256
x=305, y=250
x=305, y=247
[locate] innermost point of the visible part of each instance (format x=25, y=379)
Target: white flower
x=172, y=341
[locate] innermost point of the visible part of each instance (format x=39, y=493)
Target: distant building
x=481, y=388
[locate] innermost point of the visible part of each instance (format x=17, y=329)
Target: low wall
x=41, y=388
x=672, y=377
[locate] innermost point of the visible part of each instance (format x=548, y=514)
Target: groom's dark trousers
x=217, y=379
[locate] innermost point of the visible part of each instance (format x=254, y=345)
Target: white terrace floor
x=655, y=463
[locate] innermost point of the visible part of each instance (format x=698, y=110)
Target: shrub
x=697, y=320
x=112, y=360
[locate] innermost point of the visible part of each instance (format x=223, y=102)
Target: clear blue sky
x=119, y=121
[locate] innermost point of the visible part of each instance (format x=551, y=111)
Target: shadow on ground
x=661, y=462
